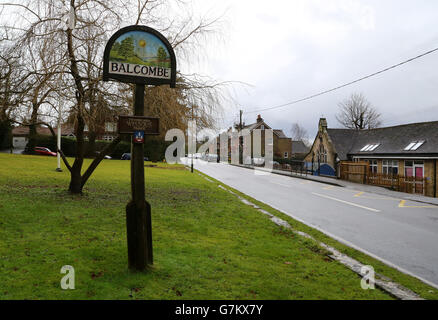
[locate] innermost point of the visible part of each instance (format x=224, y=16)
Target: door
x=419, y=178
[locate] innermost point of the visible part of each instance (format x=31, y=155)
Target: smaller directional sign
x=139, y=137
x=133, y=124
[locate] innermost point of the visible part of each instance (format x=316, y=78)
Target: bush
x=154, y=148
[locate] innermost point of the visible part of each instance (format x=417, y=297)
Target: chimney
x=259, y=119
x=322, y=124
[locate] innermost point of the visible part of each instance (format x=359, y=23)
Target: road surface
x=401, y=233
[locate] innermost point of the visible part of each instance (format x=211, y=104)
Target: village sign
x=143, y=56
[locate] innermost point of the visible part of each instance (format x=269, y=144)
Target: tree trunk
x=30, y=147
x=5, y=134
x=75, y=179
x=91, y=149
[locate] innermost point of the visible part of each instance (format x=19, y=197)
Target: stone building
x=282, y=145
x=409, y=150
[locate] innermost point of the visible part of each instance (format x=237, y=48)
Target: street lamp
x=191, y=169
x=71, y=21
x=58, y=169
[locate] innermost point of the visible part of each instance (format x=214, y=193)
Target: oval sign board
x=139, y=54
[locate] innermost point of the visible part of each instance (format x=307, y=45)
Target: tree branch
x=98, y=159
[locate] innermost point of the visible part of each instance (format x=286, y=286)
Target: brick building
x=409, y=150
x=282, y=145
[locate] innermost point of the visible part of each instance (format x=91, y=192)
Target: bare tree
x=13, y=83
x=79, y=48
x=298, y=133
x=357, y=112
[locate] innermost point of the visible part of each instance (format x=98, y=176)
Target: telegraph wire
x=346, y=84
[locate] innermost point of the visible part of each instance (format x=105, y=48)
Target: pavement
x=354, y=186
x=390, y=226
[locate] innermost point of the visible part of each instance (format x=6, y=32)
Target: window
x=370, y=147
x=262, y=127
x=110, y=127
x=322, y=154
x=108, y=138
x=417, y=145
x=390, y=167
x=414, y=168
x=373, y=166
x=414, y=145
x=286, y=155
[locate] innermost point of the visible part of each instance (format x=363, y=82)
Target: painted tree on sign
x=161, y=54
x=127, y=47
x=116, y=47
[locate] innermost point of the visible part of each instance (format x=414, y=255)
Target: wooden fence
x=360, y=172
x=354, y=171
x=398, y=182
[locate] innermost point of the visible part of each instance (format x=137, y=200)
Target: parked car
x=212, y=158
x=44, y=151
x=105, y=157
x=127, y=156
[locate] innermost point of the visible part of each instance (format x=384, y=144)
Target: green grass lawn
x=207, y=244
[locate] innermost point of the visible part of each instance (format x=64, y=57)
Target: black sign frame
x=139, y=79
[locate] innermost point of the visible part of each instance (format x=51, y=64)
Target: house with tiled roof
x=409, y=150
x=20, y=135
x=299, y=149
x=282, y=145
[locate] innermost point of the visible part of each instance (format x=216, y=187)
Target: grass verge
x=412, y=283
x=207, y=244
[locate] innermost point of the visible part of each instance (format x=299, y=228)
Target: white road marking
x=280, y=184
x=346, y=202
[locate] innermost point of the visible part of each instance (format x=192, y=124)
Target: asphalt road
x=401, y=233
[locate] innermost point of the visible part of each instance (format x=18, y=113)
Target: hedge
x=154, y=148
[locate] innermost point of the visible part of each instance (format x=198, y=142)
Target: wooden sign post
x=140, y=55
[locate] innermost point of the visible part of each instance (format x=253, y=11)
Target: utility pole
x=240, y=139
x=59, y=138
x=191, y=169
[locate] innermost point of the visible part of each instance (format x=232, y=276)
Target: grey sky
x=291, y=49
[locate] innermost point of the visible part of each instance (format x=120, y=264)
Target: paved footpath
x=357, y=186
x=391, y=227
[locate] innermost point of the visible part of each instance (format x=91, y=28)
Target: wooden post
x=138, y=211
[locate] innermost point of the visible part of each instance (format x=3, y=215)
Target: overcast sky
x=290, y=49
